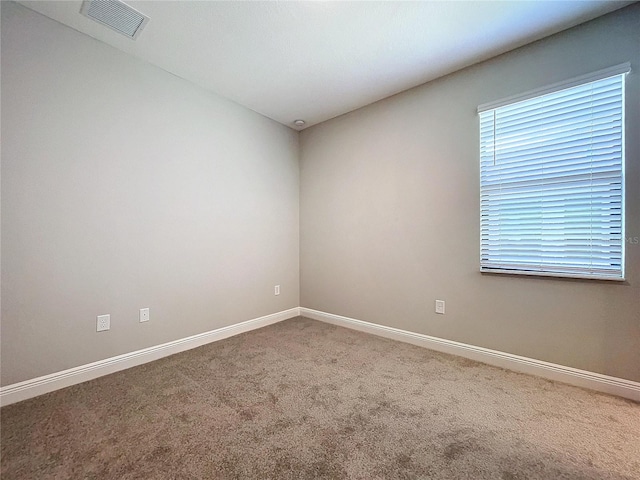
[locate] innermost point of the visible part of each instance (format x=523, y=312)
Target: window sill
x=532, y=273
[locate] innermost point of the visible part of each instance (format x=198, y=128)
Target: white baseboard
x=572, y=376
x=55, y=381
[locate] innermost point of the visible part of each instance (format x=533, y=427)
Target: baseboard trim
x=55, y=381
x=572, y=376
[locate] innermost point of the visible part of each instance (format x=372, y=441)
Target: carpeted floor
x=302, y=400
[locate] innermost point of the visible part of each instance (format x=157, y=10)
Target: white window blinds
x=551, y=183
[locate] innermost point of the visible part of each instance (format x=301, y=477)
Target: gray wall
x=126, y=187
x=390, y=214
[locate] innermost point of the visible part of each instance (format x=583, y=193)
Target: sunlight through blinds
x=551, y=181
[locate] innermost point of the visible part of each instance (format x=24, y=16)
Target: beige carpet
x=302, y=399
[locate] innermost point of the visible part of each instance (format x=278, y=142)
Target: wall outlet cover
x=103, y=322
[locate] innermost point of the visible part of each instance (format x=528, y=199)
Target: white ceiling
x=317, y=60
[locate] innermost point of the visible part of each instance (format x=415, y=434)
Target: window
x=551, y=180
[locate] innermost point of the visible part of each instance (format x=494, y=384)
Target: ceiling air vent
x=116, y=15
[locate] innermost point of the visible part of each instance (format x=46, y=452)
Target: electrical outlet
x=276, y=290
x=144, y=314
x=440, y=307
x=103, y=323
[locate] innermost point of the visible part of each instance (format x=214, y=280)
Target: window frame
x=616, y=70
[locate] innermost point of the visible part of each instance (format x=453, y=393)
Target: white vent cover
x=116, y=15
